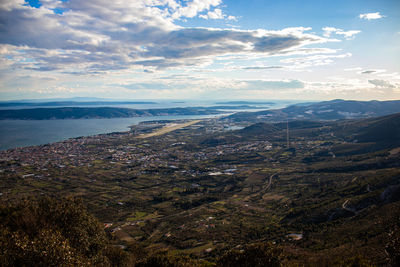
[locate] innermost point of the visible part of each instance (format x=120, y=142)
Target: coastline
x=25, y=133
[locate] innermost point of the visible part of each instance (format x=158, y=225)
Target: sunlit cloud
x=148, y=48
x=328, y=31
x=371, y=16
x=315, y=60
x=93, y=37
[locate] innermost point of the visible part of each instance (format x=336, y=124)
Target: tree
x=50, y=232
x=393, y=247
x=256, y=255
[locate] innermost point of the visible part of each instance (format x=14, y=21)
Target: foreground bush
x=50, y=232
x=256, y=255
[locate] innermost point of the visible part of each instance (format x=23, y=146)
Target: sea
x=23, y=133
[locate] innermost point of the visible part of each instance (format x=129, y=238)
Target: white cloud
x=273, y=84
x=328, y=31
x=315, y=60
x=382, y=84
x=95, y=36
x=353, y=69
x=370, y=16
x=125, y=47
x=194, y=7
x=215, y=14
x=393, y=75
x=230, y=17
x=262, y=67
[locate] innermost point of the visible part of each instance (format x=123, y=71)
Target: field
x=200, y=190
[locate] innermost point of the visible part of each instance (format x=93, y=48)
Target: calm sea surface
x=21, y=133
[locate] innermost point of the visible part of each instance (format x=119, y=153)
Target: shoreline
x=16, y=134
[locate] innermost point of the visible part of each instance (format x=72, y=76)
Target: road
x=344, y=206
x=270, y=181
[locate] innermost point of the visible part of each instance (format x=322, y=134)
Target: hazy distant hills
x=321, y=111
x=98, y=112
x=71, y=103
x=326, y=110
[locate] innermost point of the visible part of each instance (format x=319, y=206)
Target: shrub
x=50, y=232
x=262, y=255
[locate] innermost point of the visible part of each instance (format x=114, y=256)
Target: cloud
x=382, y=84
x=348, y=35
x=271, y=85
x=194, y=7
x=372, y=71
x=95, y=36
x=215, y=14
x=370, y=16
x=360, y=70
x=368, y=71
x=353, y=69
x=144, y=86
x=393, y=75
x=230, y=17
x=197, y=83
x=262, y=67
x=315, y=60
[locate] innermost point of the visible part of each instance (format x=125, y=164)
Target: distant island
x=98, y=113
x=71, y=103
x=327, y=110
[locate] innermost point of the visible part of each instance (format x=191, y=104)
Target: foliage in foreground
x=60, y=232
x=256, y=255
x=50, y=232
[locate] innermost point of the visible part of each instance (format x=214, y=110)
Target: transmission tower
x=287, y=134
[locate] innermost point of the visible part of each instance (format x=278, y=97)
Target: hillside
x=378, y=132
x=382, y=130
x=209, y=195
x=326, y=110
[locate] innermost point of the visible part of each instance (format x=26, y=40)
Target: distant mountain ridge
x=70, y=103
x=327, y=110
x=97, y=113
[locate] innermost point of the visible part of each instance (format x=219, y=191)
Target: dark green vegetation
x=97, y=113
x=50, y=232
x=60, y=232
x=327, y=110
x=204, y=195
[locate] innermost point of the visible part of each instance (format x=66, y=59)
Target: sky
x=200, y=49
